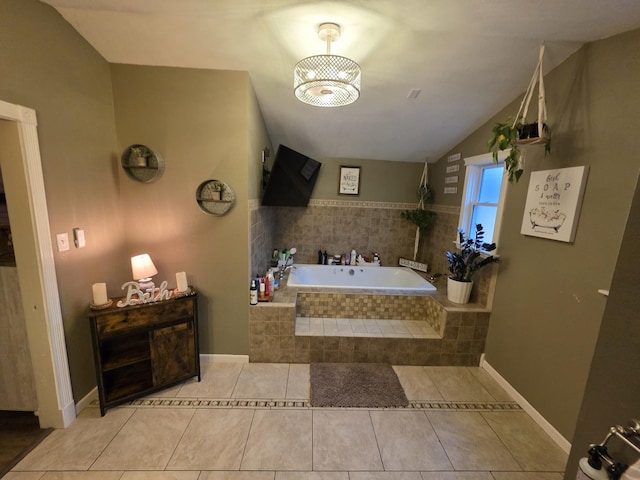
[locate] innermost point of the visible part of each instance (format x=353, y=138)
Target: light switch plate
x=78, y=238
x=63, y=241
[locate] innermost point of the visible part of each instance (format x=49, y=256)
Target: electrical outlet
x=63, y=241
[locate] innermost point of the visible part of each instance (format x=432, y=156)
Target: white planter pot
x=458, y=292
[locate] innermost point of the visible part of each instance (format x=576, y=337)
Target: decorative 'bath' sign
x=553, y=203
x=135, y=296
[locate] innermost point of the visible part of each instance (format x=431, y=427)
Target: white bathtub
x=365, y=277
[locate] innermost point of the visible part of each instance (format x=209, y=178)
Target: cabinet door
x=173, y=353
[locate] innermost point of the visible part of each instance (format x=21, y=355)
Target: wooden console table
x=141, y=349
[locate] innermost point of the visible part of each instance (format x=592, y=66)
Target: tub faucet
x=286, y=259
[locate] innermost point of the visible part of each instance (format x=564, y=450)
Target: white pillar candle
x=100, y=294
x=181, y=280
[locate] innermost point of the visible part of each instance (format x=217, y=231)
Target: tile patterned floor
x=254, y=422
x=355, y=327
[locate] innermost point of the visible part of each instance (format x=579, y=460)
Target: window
x=483, y=196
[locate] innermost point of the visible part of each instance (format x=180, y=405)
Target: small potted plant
x=463, y=264
x=138, y=156
x=511, y=135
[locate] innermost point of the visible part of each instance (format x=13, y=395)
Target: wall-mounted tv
x=291, y=180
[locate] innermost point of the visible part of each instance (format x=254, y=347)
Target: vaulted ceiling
x=468, y=58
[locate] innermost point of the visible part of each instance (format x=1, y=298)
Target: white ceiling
x=469, y=58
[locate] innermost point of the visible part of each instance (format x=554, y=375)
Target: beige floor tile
x=214, y=440
x=457, y=476
x=312, y=476
x=358, y=326
x=470, y=442
x=171, y=392
x=344, y=440
x=262, y=380
x=526, y=476
x=407, y=441
x=230, y=475
x=81, y=476
x=527, y=442
x=279, y=440
x=416, y=383
x=160, y=475
x=146, y=441
x=23, y=476
x=298, y=382
x=458, y=384
x=78, y=446
x=490, y=385
x=384, y=476
x=218, y=381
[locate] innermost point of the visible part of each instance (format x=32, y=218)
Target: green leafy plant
x=504, y=137
x=139, y=151
x=508, y=135
x=465, y=263
x=420, y=218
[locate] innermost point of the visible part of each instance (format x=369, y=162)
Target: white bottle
x=353, y=256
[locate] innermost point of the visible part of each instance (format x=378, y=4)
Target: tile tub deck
x=298, y=327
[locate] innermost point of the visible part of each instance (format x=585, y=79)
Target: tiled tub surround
x=462, y=329
x=422, y=308
x=340, y=225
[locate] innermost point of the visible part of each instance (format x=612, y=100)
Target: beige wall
x=380, y=181
x=611, y=395
x=204, y=125
x=547, y=312
x=47, y=66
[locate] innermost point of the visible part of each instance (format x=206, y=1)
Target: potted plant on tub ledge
x=463, y=264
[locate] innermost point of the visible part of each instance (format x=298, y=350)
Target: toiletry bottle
x=353, y=257
x=261, y=289
x=253, y=293
x=320, y=257
x=325, y=258
x=268, y=286
x=274, y=280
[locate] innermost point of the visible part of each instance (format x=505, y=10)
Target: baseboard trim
x=527, y=407
x=86, y=400
x=221, y=357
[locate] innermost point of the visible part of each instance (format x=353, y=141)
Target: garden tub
x=358, y=277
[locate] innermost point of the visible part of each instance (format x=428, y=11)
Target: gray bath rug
x=366, y=385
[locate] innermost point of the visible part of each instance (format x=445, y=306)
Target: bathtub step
x=352, y=327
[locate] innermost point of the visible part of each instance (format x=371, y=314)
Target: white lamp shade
x=142, y=267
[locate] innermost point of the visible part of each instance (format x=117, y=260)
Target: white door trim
x=41, y=301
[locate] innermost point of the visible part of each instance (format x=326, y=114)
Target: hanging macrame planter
x=537, y=132
x=420, y=217
x=519, y=133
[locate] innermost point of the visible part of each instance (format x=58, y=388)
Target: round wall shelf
x=215, y=197
x=141, y=163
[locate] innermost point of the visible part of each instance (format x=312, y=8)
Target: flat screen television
x=291, y=180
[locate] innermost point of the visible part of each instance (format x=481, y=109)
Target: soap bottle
x=353, y=256
x=320, y=257
x=253, y=293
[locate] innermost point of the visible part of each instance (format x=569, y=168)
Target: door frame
x=40, y=295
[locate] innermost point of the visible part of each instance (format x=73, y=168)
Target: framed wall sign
x=553, y=203
x=349, y=183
